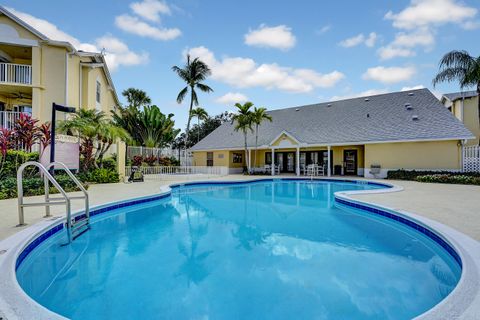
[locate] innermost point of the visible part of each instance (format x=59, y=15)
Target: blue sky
x=273, y=53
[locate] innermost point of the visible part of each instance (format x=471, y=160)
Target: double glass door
x=284, y=160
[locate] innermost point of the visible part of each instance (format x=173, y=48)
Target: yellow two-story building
x=36, y=71
x=464, y=106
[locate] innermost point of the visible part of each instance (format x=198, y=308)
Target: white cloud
x=279, y=37
x=389, y=52
x=389, y=75
x=424, y=13
x=359, y=39
x=117, y=52
x=323, y=29
x=134, y=25
x=413, y=88
x=245, y=72
x=365, y=93
x=371, y=40
x=232, y=98
x=353, y=41
x=419, y=22
x=150, y=9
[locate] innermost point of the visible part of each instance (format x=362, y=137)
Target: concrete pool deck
x=457, y=206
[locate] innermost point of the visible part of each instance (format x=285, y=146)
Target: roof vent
x=408, y=106
x=329, y=105
x=411, y=94
x=297, y=109
x=367, y=99
x=414, y=117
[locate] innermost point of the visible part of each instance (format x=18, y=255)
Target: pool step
x=79, y=227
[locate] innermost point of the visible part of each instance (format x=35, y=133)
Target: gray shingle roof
x=382, y=118
x=459, y=95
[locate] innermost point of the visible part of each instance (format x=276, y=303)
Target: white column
x=329, y=173
x=273, y=162
x=298, y=161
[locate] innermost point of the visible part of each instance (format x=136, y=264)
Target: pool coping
x=462, y=303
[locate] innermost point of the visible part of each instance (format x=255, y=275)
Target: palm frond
x=182, y=94
x=204, y=87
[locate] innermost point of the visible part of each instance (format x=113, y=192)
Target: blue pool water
x=263, y=250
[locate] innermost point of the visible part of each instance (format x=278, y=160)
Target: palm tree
x=193, y=73
x=462, y=67
x=258, y=116
x=244, y=121
x=96, y=133
x=136, y=98
x=200, y=114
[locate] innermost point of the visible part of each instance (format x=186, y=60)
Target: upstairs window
x=98, y=92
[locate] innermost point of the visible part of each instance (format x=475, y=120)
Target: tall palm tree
x=200, y=114
x=460, y=66
x=258, y=116
x=193, y=73
x=244, y=121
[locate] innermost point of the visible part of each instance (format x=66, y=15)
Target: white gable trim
x=287, y=134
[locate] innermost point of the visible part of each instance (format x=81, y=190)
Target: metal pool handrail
x=48, y=201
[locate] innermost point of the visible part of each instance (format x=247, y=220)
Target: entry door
x=350, y=162
x=209, y=159
x=290, y=162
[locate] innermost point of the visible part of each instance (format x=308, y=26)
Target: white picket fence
x=180, y=172
x=471, y=159
x=184, y=156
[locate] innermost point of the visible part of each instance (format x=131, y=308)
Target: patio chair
x=375, y=170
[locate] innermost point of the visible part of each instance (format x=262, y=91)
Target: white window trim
x=98, y=105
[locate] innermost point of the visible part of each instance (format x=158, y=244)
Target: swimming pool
x=268, y=249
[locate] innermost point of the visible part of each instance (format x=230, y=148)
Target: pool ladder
x=75, y=227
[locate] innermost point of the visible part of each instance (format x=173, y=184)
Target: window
x=237, y=157
x=268, y=158
x=98, y=92
x=209, y=159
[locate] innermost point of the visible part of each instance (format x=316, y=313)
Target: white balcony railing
x=8, y=119
x=15, y=73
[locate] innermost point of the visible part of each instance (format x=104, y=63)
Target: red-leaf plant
x=45, y=135
x=7, y=138
x=137, y=161
x=27, y=133
x=150, y=160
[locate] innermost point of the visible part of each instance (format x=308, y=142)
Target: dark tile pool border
x=387, y=214
x=127, y=203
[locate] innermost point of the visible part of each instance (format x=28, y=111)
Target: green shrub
x=109, y=163
x=14, y=159
x=413, y=174
x=450, y=178
x=35, y=186
x=101, y=175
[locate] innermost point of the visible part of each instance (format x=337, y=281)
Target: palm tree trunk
x=198, y=130
x=246, y=151
x=478, y=101
x=256, y=145
x=189, y=116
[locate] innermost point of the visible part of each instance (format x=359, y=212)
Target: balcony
x=8, y=119
x=13, y=73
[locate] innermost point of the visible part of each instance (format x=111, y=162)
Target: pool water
x=263, y=250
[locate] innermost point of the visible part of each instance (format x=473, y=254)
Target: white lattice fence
x=471, y=159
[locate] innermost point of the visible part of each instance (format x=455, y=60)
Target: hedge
x=34, y=186
x=413, y=174
x=450, y=178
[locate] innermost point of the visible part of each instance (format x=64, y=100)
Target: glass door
x=290, y=162
x=350, y=162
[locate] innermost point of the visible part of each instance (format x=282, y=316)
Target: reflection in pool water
x=264, y=250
